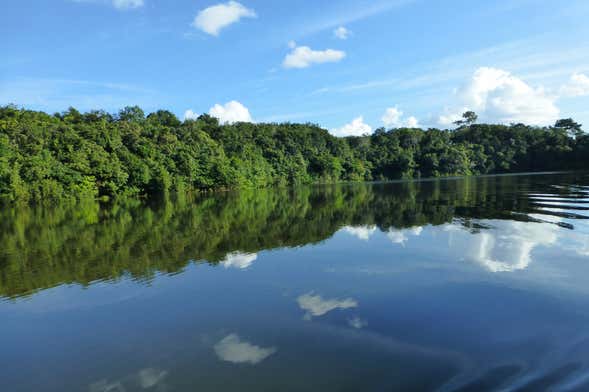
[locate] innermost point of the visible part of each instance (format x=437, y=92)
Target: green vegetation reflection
x=84, y=242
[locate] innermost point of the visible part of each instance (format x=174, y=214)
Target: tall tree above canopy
x=132, y=114
x=468, y=118
x=573, y=128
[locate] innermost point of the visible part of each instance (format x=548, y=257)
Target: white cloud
x=412, y=122
x=213, y=19
x=498, y=96
x=356, y=128
x=577, y=86
x=393, y=117
x=357, y=322
x=231, y=112
x=190, y=115
x=239, y=260
x=233, y=349
x=316, y=306
x=127, y=4
x=362, y=232
x=303, y=56
x=449, y=118
x=341, y=32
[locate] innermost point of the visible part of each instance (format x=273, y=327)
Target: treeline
x=73, y=155
x=45, y=246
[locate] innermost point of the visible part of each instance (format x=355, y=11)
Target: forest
x=98, y=155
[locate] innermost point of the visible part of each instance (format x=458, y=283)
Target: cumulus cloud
x=190, y=115
x=356, y=128
x=231, y=112
x=362, y=232
x=233, y=349
x=213, y=19
x=577, y=86
x=315, y=305
x=239, y=260
x=498, y=96
x=393, y=117
x=303, y=56
x=341, y=32
x=412, y=122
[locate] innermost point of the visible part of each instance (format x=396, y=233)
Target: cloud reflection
x=316, y=306
x=239, y=260
x=401, y=236
x=357, y=322
x=148, y=378
x=232, y=349
x=361, y=232
x=506, y=248
x=106, y=386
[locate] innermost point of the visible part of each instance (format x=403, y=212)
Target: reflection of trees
x=45, y=247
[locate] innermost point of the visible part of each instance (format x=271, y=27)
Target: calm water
x=455, y=285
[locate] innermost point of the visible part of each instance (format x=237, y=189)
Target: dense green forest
x=73, y=155
x=47, y=246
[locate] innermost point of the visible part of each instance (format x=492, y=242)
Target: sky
x=350, y=66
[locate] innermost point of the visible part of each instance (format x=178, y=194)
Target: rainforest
x=98, y=155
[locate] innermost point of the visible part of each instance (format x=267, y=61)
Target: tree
x=74, y=155
x=573, y=128
x=132, y=114
x=165, y=118
x=468, y=118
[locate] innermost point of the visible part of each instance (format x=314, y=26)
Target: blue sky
x=349, y=66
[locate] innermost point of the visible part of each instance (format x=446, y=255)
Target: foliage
x=468, y=118
x=74, y=156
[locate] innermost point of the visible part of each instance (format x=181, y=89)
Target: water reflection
x=145, y=379
x=357, y=322
x=316, y=306
x=452, y=285
x=239, y=260
x=402, y=236
x=232, y=349
x=361, y=232
x=507, y=247
x=45, y=247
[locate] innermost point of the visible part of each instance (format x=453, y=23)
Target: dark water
x=476, y=284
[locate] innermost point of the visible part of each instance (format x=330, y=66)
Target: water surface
x=454, y=285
